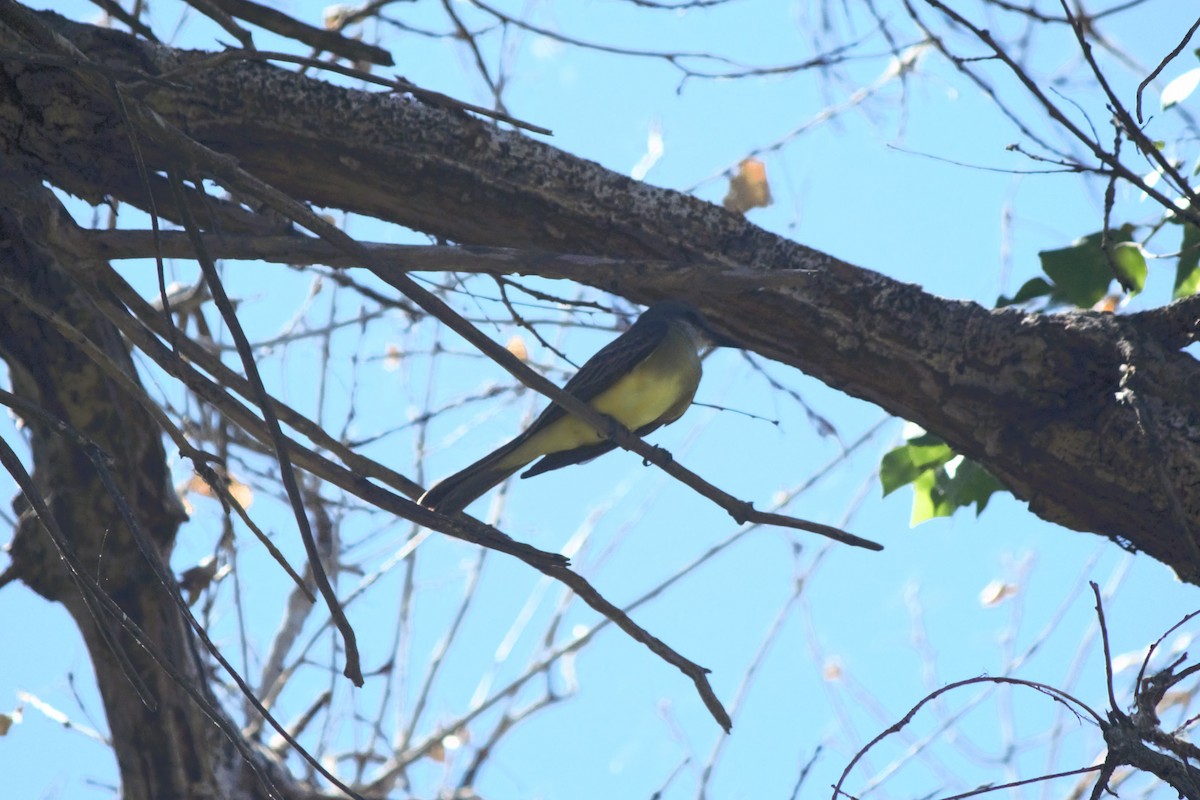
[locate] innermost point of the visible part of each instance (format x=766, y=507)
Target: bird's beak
x=716, y=339
x=720, y=341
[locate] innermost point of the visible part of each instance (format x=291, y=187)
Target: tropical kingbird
x=645, y=378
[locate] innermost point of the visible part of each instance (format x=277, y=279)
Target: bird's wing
x=581, y=454
x=611, y=362
x=568, y=457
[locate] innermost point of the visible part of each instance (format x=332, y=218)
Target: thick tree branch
x=1033, y=398
x=97, y=540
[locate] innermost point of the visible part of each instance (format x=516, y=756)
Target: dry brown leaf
x=239, y=491
x=334, y=17
x=996, y=593
x=1172, y=699
x=195, y=580
x=516, y=346
x=391, y=358
x=748, y=188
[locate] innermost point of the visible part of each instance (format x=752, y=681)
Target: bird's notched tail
x=645, y=378
x=458, y=491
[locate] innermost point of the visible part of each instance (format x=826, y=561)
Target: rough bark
x=1092, y=418
x=165, y=743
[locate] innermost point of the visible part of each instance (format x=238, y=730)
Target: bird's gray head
x=679, y=311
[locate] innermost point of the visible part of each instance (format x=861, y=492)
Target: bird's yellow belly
x=635, y=401
x=661, y=386
x=642, y=397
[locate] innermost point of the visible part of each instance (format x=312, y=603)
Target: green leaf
x=941, y=491
x=928, y=500
x=926, y=440
x=1187, y=272
x=1130, y=262
x=907, y=463
x=1081, y=273
x=1180, y=88
x=969, y=482
x=942, y=481
x=1034, y=287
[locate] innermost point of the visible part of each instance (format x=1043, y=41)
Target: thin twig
x=287, y=475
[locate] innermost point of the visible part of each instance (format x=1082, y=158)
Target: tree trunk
x=166, y=744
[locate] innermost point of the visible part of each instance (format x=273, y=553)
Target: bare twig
x=509, y=260
x=353, y=669
x=291, y=28
x=1167, y=59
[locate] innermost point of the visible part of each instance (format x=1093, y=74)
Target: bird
x=644, y=379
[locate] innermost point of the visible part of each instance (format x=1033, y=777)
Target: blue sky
x=876, y=187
